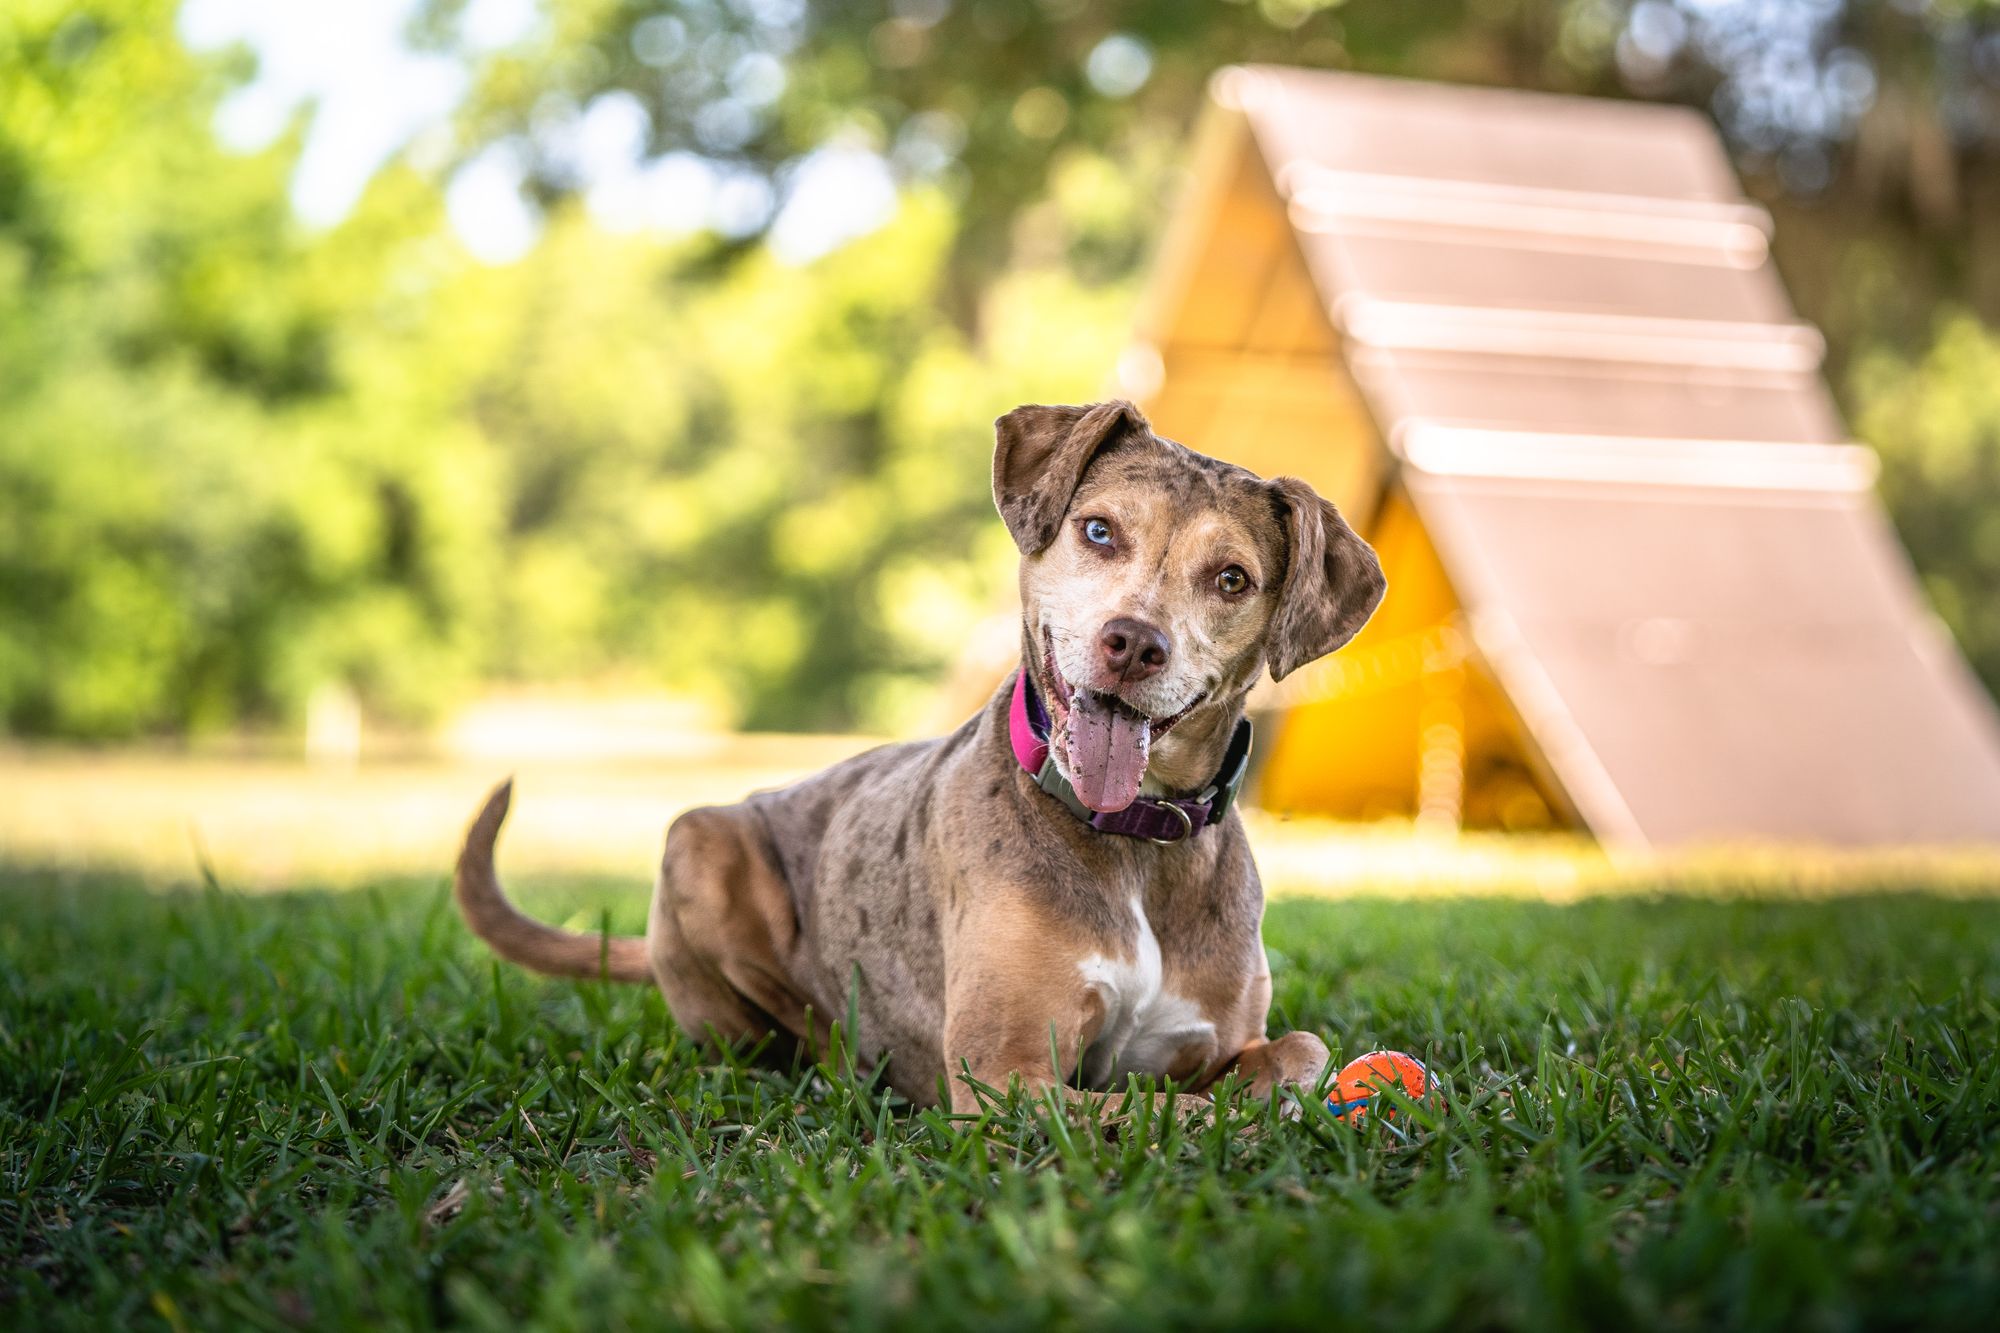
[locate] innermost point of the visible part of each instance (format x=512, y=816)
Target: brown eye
x=1232, y=581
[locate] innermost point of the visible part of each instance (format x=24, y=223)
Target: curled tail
x=522, y=939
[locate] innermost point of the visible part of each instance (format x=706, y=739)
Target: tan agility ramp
x=1536, y=348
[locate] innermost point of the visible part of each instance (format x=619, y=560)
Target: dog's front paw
x=1295, y=1060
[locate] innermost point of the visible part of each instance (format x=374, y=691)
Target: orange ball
x=1362, y=1079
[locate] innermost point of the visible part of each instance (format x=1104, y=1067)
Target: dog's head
x=1156, y=582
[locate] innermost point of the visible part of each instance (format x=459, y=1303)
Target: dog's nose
x=1132, y=649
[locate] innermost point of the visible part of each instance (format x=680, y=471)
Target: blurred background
x=395, y=393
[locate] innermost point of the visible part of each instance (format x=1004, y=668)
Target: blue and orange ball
x=1361, y=1080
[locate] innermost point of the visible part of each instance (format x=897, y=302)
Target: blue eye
x=1097, y=531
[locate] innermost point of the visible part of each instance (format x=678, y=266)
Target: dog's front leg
x=1019, y=1012
x=1000, y=1034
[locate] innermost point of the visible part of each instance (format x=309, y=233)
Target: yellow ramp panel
x=1405, y=721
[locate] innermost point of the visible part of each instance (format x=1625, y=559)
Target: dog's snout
x=1133, y=650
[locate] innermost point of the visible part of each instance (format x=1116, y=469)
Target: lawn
x=332, y=1109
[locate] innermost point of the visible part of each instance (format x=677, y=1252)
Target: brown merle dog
x=1059, y=891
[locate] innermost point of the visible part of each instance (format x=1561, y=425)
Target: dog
x=1058, y=894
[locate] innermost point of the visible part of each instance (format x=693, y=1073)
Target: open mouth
x=1106, y=741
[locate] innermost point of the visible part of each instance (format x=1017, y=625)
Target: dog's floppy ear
x=1333, y=582
x=1038, y=459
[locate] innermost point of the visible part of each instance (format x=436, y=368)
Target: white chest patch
x=1145, y=1025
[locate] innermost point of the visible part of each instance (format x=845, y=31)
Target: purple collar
x=1150, y=817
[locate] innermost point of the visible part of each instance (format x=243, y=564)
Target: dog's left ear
x=1039, y=456
x=1333, y=582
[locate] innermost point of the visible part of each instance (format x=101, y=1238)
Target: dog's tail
x=522, y=939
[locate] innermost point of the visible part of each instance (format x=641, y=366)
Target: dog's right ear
x=1333, y=580
x=1039, y=457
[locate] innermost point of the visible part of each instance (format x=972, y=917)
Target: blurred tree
x=1871, y=126
x=714, y=473
x=1937, y=426
x=183, y=539
x=240, y=461
x=984, y=97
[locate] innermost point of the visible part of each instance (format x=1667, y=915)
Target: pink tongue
x=1107, y=751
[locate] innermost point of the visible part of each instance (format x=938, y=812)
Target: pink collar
x=1031, y=744
x=1156, y=819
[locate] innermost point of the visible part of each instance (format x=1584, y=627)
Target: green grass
x=220, y=1109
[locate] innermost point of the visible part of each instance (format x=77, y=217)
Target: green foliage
x=1936, y=424
x=239, y=462
x=187, y=533
x=1868, y=126
x=733, y=475
x=988, y=97
x=320, y=1110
